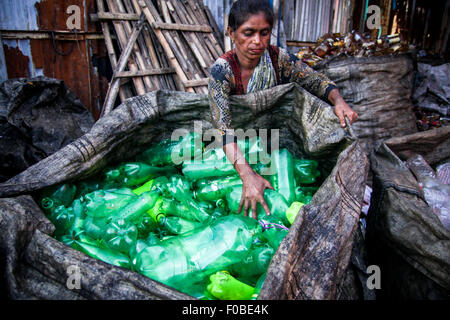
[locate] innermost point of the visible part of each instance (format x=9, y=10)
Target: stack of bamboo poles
x=164, y=44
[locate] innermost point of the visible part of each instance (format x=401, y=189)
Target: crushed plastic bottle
x=305, y=171
x=214, y=189
x=195, y=170
x=136, y=208
x=131, y=174
x=436, y=193
x=284, y=180
x=177, y=225
x=274, y=231
x=225, y=287
x=165, y=152
x=187, y=259
x=255, y=263
x=105, y=203
x=62, y=194
x=120, y=236
x=293, y=211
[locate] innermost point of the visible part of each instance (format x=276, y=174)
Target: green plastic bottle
x=63, y=219
x=163, y=153
x=274, y=231
x=48, y=205
x=105, y=203
x=72, y=238
x=95, y=227
x=146, y=225
x=136, y=208
x=183, y=260
x=140, y=245
x=177, y=225
x=284, y=180
x=225, y=287
x=250, y=147
x=104, y=254
x=305, y=171
x=195, y=170
x=293, y=210
x=214, y=189
x=172, y=207
x=120, y=236
x=62, y=194
x=131, y=174
x=276, y=202
x=180, y=189
x=255, y=263
x=302, y=196
x=146, y=187
x=157, y=209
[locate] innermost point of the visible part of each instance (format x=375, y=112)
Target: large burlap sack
x=404, y=237
x=379, y=90
x=313, y=262
x=38, y=116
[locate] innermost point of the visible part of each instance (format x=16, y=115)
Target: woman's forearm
x=335, y=97
x=237, y=159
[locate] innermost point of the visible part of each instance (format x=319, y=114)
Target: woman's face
x=252, y=37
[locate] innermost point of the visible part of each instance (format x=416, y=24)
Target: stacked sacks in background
x=178, y=223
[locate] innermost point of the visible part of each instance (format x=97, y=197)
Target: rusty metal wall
x=30, y=57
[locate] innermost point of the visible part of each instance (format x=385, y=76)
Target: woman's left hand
x=342, y=110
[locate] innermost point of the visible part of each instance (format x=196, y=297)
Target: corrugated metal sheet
x=18, y=15
x=307, y=20
x=219, y=9
x=304, y=20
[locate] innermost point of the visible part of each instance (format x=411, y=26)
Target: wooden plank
x=121, y=64
x=182, y=27
x=196, y=83
x=59, y=35
x=143, y=73
x=113, y=16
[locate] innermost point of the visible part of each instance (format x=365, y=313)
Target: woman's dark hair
x=241, y=10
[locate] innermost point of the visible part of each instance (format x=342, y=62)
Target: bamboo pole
x=117, y=7
x=121, y=64
x=122, y=40
x=123, y=93
x=147, y=8
x=157, y=56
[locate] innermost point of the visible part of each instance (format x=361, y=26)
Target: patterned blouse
x=225, y=80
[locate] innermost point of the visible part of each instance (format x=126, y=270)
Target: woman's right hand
x=253, y=192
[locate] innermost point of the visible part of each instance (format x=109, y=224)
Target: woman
x=254, y=65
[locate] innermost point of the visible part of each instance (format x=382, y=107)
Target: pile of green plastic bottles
x=178, y=223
